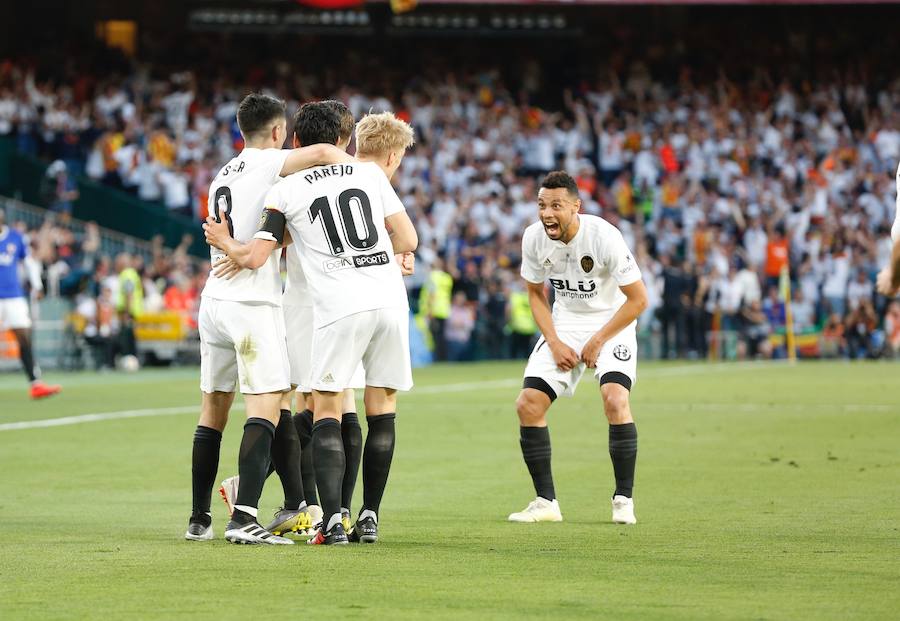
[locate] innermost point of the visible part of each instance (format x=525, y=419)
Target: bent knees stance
x=531, y=406
x=615, y=404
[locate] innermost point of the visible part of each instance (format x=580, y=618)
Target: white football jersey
x=237, y=195
x=296, y=287
x=336, y=217
x=895, y=230
x=585, y=274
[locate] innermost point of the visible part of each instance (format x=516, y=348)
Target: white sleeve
x=33, y=269
x=389, y=199
x=895, y=229
x=531, y=268
x=279, y=157
x=622, y=265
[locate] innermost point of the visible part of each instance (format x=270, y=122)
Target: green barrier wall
x=21, y=176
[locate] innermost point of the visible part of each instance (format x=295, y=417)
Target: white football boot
x=228, y=491
x=623, y=510
x=538, y=510
x=315, y=515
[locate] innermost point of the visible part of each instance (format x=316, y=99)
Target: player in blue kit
x=14, y=314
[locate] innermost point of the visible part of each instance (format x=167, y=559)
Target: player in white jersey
x=240, y=318
x=298, y=318
x=599, y=296
x=340, y=216
x=889, y=276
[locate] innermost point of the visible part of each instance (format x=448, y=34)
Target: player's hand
x=215, y=232
x=407, y=262
x=883, y=282
x=564, y=356
x=226, y=268
x=591, y=351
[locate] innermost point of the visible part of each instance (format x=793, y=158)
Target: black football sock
x=351, y=433
x=26, y=355
x=328, y=449
x=204, y=465
x=377, y=456
x=303, y=421
x=253, y=460
x=535, y=443
x=623, y=452
x=286, y=458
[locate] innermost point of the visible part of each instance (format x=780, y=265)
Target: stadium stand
x=720, y=172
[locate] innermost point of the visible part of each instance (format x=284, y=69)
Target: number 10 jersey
x=236, y=195
x=336, y=216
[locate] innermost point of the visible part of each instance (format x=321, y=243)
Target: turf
x=763, y=492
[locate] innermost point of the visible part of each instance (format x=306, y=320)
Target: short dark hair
x=560, y=179
x=348, y=123
x=315, y=123
x=256, y=111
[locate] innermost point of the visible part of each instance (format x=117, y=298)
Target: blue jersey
x=12, y=251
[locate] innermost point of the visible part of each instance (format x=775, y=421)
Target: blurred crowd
x=108, y=293
x=717, y=184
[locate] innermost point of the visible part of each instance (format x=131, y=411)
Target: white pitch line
x=425, y=390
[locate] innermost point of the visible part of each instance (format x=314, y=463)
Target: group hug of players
x=342, y=322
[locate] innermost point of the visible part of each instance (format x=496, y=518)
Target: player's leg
x=218, y=379
x=351, y=433
x=15, y=316
x=257, y=332
x=299, y=322
x=328, y=447
x=388, y=370
x=616, y=371
x=214, y=410
x=378, y=454
x=534, y=439
x=293, y=515
x=336, y=351
x=543, y=383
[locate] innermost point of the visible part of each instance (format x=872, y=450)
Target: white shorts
x=242, y=341
x=618, y=356
x=14, y=314
x=378, y=338
x=298, y=322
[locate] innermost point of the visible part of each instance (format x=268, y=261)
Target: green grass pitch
x=762, y=492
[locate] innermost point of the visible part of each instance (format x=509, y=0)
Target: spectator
x=459, y=326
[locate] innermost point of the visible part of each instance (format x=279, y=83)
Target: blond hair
x=377, y=134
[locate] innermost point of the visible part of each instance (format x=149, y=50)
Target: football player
x=239, y=318
x=340, y=216
x=599, y=296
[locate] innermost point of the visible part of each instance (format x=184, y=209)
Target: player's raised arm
x=314, y=155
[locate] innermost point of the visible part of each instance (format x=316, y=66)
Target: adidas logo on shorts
x=328, y=379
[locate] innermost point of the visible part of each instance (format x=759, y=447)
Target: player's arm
x=889, y=277
x=314, y=155
x=256, y=252
x=565, y=357
x=32, y=270
x=403, y=234
x=635, y=304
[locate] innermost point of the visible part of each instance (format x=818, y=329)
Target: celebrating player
x=314, y=123
x=889, y=276
x=14, y=313
x=239, y=319
x=599, y=296
x=340, y=216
